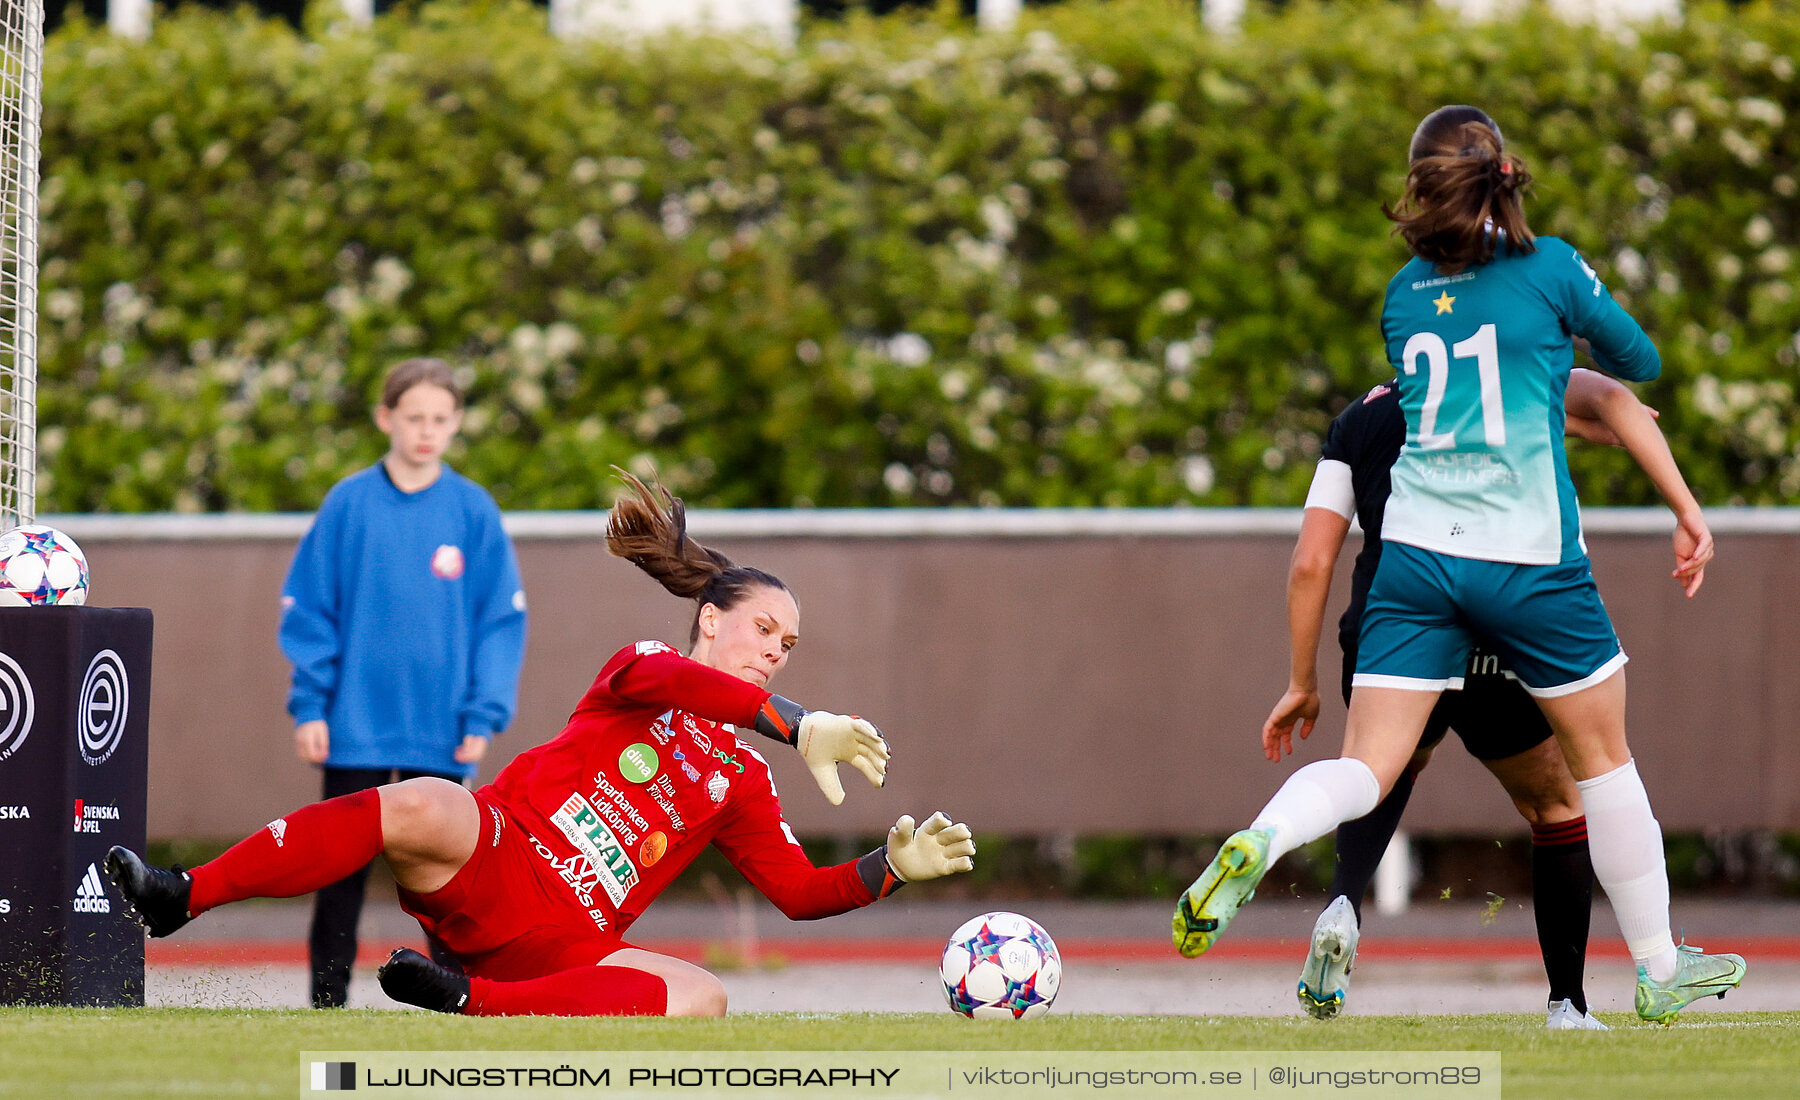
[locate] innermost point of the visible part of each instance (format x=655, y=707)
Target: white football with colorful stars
x=1001, y=966
x=40, y=566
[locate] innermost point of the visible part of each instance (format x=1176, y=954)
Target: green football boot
x=1697, y=975
x=1209, y=904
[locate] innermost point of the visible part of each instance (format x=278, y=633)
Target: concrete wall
x=1037, y=672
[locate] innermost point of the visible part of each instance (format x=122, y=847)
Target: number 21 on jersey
x=1484, y=348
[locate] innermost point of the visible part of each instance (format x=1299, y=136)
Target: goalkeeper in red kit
x=532, y=881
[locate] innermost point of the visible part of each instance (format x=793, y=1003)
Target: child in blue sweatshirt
x=404, y=618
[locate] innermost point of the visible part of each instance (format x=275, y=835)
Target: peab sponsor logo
x=16, y=706
x=88, y=816
x=90, y=896
x=579, y=822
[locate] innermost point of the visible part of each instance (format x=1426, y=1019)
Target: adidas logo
x=90, y=896
x=278, y=827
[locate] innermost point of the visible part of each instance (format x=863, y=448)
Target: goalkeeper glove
x=826, y=740
x=935, y=849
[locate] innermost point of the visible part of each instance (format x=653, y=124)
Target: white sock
x=1625, y=843
x=1315, y=800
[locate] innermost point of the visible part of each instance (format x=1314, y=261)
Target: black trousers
x=337, y=908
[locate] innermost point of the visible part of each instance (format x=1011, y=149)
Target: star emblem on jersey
x=1443, y=302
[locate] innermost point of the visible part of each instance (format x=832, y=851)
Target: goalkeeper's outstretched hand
x=935, y=849
x=826, y=740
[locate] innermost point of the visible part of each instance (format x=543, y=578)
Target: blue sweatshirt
x=404, y=617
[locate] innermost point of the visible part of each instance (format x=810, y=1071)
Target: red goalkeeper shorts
x=516, y=910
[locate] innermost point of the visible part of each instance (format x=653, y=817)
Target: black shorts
x=1493, y=713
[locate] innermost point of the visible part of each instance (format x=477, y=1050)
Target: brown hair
x=1464, y=192
x=648, y=528
x=407, y=373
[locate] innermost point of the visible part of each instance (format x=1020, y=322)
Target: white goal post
x=21, y=111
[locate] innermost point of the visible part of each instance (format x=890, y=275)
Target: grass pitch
x=165, y=1052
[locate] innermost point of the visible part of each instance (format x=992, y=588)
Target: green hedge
x=1107, y=259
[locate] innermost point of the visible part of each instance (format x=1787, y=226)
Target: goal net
x=21, y=107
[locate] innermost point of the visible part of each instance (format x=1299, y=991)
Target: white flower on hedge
x=954, y=384
x=676, y=222
x=1774, y=261
x=984, y=256
x=1630, y=265
x=123, y=306
x=561, y=340
x=62, y=305
x=526, y=393
x=1197, y=474
x=898, y=479
x=1759, y=231
x=1766, y=111
x=1741, y=147
x=1179, y=358
x=1728, y=267
x=526, y=341
x=1158, y=115
x=345, y=301
x=909, y=349
x=998, y=217
x=1175, y=301
x=388, y=279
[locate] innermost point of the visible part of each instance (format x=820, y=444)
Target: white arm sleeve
x=1331, y=489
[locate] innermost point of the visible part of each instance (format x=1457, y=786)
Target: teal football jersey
x=1483, y=358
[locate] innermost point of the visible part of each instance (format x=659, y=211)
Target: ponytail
x=648, y=528
x=1464, y=192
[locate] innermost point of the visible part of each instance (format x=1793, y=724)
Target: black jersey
x=1366, y=437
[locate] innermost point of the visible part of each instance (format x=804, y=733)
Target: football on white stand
x=40, y=566
x=1001, y=966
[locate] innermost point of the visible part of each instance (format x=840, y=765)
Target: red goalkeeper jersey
x=647, y=772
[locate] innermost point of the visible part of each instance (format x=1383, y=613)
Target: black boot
x=413, y=979
x=158, y=899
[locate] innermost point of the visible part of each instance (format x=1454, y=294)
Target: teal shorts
x=1426, y=610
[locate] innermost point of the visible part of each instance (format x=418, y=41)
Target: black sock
x=1562, y=887
x=1362, y=842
